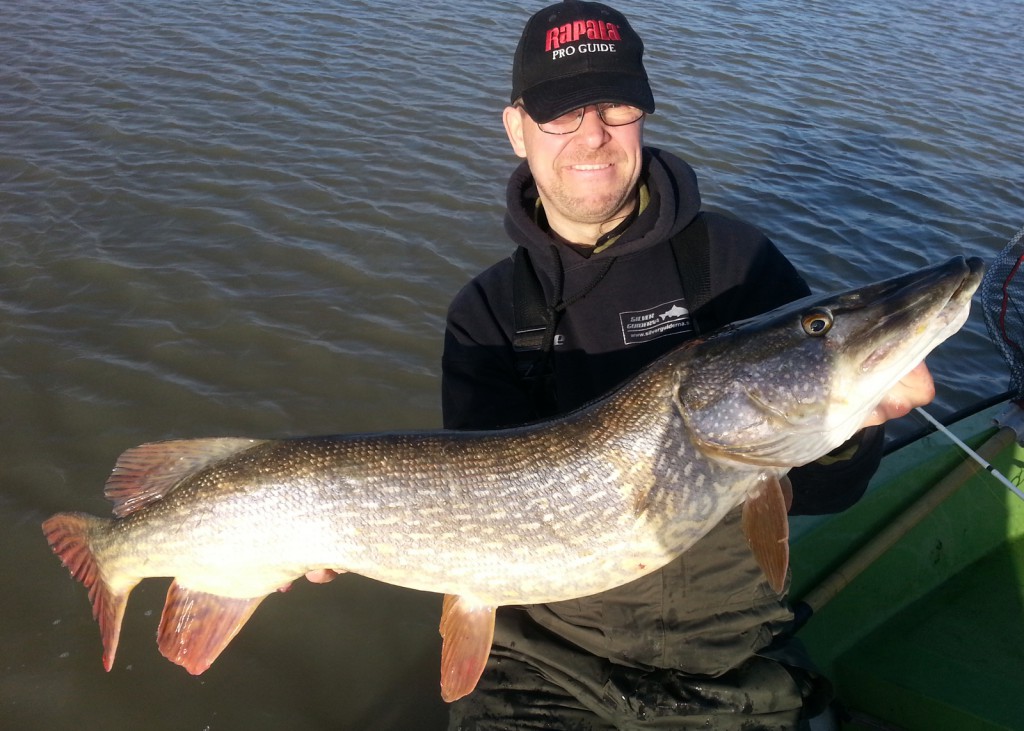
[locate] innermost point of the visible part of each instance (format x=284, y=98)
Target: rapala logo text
x=595, y=30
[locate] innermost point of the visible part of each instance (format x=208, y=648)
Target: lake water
x=248, y=218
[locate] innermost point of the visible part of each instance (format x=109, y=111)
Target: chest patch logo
x=670, y=318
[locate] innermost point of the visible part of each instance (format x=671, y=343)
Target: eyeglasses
x=611, y=113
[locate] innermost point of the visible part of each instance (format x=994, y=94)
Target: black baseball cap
x=577, y=53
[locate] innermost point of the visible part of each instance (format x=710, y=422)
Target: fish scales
x=539, y=513
x=336, y=501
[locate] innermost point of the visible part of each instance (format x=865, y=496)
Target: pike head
x=783, y=389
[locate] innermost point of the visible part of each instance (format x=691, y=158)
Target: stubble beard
x=588, y=208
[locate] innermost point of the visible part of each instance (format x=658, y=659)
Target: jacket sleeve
x=479, y=390
x=838, y=480
x=480, y=387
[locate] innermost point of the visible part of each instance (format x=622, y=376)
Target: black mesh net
x=1002, y=302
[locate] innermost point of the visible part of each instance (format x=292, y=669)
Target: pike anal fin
x=196, y=627
x=766, y=527
x=467, y=630
x=68, y=536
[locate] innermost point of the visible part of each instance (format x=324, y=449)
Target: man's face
x=585, y=177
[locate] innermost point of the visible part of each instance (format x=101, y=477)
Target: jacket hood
x=674, y=201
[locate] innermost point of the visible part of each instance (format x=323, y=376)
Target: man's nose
x=593, y=128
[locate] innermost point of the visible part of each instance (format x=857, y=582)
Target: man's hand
x=322, y=576
x=317, y=576
x=914, y=389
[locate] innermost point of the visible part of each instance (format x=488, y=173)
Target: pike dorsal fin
x=467, y=630
x=147, y=473
x=766, y=526
x=196, y=626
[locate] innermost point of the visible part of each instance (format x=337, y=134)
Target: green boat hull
x=930, y=634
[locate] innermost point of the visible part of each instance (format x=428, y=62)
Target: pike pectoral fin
x=68, y=536
x=467, y=630
x=195, y=626
x=766, y=527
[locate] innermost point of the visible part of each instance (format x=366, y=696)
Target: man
x=695, y=644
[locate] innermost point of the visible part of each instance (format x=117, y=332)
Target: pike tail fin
x=196, y=626
x=766, y=526
x=69, y=536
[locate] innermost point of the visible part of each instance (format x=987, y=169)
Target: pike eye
x=817, y=322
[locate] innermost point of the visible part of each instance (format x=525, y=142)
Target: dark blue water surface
x=249, y=217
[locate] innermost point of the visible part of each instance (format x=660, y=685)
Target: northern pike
x=539, y=513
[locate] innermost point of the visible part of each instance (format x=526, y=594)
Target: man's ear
x=513, y=119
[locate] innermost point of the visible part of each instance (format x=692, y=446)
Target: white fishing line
x=972, y=454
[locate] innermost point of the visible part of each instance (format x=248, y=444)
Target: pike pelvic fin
x=766, y=527
x=195, y=627
x=467, y=630
x=147, y=473
x=68, y=536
